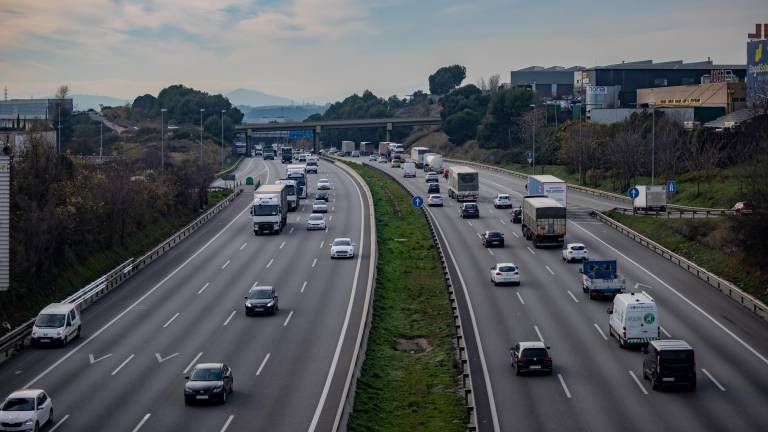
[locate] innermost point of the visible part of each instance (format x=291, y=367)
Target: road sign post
x=529, y=156
x=417, y=201
x=633, y=194
x=671, y=186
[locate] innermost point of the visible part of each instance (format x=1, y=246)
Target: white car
x=435, y=200
x=431, y=177
x=382, y=159
x=342, y=248
x=319, y=206
x=26, y=410
x=502, y=273
x=575, y=252
x=502, y=201
x=372, y=158
x=316, y=221
x=323, y=184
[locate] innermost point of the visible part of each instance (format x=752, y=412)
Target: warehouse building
x=549, y=83
x=27, y=111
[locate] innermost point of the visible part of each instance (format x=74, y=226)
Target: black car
x=669, y=363
x=531, y=357
x=492, y=238
x=321, y=195
x=469, y=210
x=433, y=188
x=517, y=215
x=261, y=299
x=208, y=382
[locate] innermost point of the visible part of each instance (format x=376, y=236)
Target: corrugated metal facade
x=5, y=222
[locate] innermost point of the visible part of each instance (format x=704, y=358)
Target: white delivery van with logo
x=634, y=319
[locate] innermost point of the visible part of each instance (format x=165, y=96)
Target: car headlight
x=218, y=388
x=60, y=333
x=29, y=421
x=271, y=303
x=34, y=332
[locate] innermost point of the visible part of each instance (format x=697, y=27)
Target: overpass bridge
x=317, y=126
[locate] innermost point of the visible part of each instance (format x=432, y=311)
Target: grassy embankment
x=409, y=379
x=707, y=243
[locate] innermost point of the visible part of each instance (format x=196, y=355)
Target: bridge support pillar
x=316, y=139
x=389, y=129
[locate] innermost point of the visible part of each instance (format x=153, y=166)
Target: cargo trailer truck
x=463, y=183
x=270, y=209
x=293, y=197
x=549, y=186
x=543, y=221
x=417, y=156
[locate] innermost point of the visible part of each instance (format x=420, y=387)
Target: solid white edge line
x=192, y=363
x=538, y=333
x=713, y=379
x=599, y=330
x=170, y=320
x=230, y=317
x=565, y=388
x=288, y=319
x=573, y=296
x=125, y=362
x=129, y=308
x=141, y=423
x=226, y=424
x=680, y=295
x=519, y=297
x=263, y=363
x=637, y=381
x=58, y=423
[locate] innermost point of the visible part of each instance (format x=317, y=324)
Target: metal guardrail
x=230, y=169
x=20, y=336
x=720, y=284
x=683, y=213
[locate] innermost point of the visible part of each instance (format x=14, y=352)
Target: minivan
x=669, y=363
x=57, y=324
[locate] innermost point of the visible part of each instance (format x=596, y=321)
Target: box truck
x=651, y=198
x=463, y=183
x=347, y=147
x=549, y=186
x=270, y=209
x=543, y=221
x=417, y=156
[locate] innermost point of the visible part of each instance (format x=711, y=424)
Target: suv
x=502, y=201
x=433, y=188
x=669, y=363
x=517, y=215
x=261, y=299
x=492, y=238
x=431, y=177
x=469, y=210
x=530, y=357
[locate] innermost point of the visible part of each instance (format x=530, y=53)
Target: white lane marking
x=93, y=360
x=711, y=378
x=243, y=246
x=470, y=223
x=291, y=231
x=549, y=270
x=161, y=359
x=541, y=338
x=637, y=381
x=56, y=426
x=640, y=285
x=519, y=297
x=125, y=362
x=298, y=218
x=565, y=388
x=225, y=265
x=269, y=264
x=192, y=363
x=204, y=287
x=573, y=296
x=226, y=424
x=263, y=362
x=302, y=208
x=322, y=243
x=255, y=284
x=491, y=211
x=285, y=324
x=314, y=263
x=530, y=250
x=333, y=208
x=170, y=320
x=502, y=221
x=330, y=218
x=18, y=372
x=141, y=423
x=326, y=229
x=515, y=234
x=304, y=285
x=599, y=330
x=282, y=245
x=684, y=298
x=230, y=317
x=666, y=333
x=480, y=236
x=140, y=299
x=489, y=251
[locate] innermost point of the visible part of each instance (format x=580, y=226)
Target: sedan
x=435, y=200
x=517, y=215
x=431, y=177
x=531, y=357
x=502, y=273
x=502, y=201
x=492, y=238
x=208, y=382
x=575, y=252
x=321, y=195
x=382, y=159
x=372, y=158
x=26, y=410
x=323, y=184
x=342, y=248
x=433, y=188
x=261, y=299
x=319, y=206
x=316, y=221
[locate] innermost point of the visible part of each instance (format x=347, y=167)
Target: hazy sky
x=321, y=50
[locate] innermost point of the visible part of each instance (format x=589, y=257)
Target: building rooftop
x=550, y=69
x=674, y=64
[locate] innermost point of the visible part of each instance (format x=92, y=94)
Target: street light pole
x=653, y=144
x=222, y=138
x=533, y=144
x=101, y=143
x=162, y=138
x=202, y=110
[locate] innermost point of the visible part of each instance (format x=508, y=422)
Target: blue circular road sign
x=634, y=192
x=417, y=201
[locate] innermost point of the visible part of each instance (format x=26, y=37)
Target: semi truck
x=347, y=147
x=286, y=155
x=433, y=162
x=293, y=197
x=543, y=221
x=651, y=198
x=463, y=183
x=549, y=186
x=384, y=149
x=299, y=174
x=600, y=279
x=417, y=156
x=270, y=209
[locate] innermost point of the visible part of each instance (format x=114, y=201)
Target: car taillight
x=515, y=273
x=624, y=332
x=498, y=273
x=547, y=360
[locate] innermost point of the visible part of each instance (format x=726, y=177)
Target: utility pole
x=653, y=144
x=101, y=143
x=222, y=138
x=533, y=144
x=202, y=110
x=58, y=133
x=162, y=138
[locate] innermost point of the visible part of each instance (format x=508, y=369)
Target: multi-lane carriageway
x=126, y=373
x=596, y=386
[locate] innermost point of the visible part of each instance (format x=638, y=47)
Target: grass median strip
x=410, y=376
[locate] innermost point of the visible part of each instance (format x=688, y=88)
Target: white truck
x=270, y=209
x=543, y=221
x=463, y=183
x=293, y=194
x=433, y=162
x=634, y=319
x=549, y=186
x=601, y=279
x=347, y=147
x=651, y=198
x=417, y=155
x=409, y=169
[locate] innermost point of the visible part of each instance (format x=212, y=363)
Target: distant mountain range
x=85, y=102
x=255, y=98
x=280, y=113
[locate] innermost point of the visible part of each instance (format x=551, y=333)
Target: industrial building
x=729, y=96
x=549, y=83
x=28, y=111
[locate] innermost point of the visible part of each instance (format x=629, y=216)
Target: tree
x=145, y=107
x=462, y=126
x=62, y=92
x=502, y=126
x=446, y=79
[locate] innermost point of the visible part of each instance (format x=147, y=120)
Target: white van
x=634, y=319
x=409, y=169
x=58, y=323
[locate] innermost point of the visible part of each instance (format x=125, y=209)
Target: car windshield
x=260, y=294
x=507, y=269
x=578, y=248
x=319, y=202
x=534, y=352
x=19, y=404
x=342, y=243
x=434, y=196
x=676, y=356
x=50, y=320
x=322, y=181
x=503, y=197
x=316, y=217
x=494, y=235
x=470, y=206
x=206, y=375
x=265, y=210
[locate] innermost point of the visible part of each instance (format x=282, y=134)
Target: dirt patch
x=413, y=346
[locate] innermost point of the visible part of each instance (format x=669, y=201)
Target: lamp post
x=162, y=138
x=222, y=138
x=202, y=110
x=58, y=135
x=101, y=143
x=653, y=144
x=533, y=144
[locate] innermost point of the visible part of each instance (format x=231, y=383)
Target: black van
x=669, y=363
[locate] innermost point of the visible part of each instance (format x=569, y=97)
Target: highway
x=596, y=386
x=127, y=371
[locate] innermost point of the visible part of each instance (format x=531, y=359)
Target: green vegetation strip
x=410, y=376
x=706, y=242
